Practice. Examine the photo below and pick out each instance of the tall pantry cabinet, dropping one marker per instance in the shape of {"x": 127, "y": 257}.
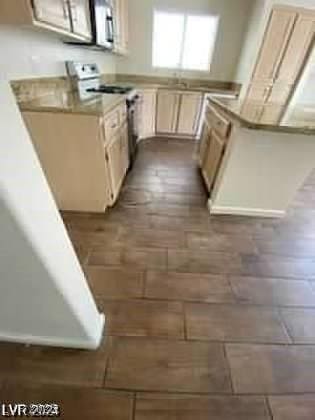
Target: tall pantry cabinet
{"x": 285, "y": 48}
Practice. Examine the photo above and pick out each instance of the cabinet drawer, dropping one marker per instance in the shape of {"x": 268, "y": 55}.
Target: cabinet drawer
{"x": 111, "y": 123}
{"x": 217, "y": 122}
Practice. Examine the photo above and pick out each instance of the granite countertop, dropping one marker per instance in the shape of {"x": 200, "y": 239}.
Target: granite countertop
{"x": 272, "y": 117}
{"x": 70, "y": 103}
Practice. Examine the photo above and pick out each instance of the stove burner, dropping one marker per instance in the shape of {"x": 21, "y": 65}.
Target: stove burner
{"x": 111, "y": 89}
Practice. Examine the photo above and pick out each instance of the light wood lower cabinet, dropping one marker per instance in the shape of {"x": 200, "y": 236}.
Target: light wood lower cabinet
{"x": 212, "y": 161}
{"x": 117, "y": 157}
{"x": 216, "y": 129}
{"x": 84, "y": 167}
{"x": 189, "y": 110}
{"x": 178, "y": 112}
{"x": 147, "y": 112}
{"x": 167, "y": 112}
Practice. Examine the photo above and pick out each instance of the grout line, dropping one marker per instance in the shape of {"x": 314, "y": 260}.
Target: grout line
{"x": 229, "y": 368}
{"x": 269, "y": 408}
{"x": 134, "y": 406}
{"x": 185, "y": 322}
{"x": 286, "y": 328}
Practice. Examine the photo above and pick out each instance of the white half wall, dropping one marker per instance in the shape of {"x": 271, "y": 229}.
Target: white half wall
{"x": 233, "y": 14}
{"x": 44, "y": 296}
{"x": 29, "y": 53}
{"x": 263, "y": 172}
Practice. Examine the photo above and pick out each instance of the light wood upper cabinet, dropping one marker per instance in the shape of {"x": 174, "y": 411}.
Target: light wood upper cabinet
{"x": 285, "y": 49}
{"x": 274, "y": 45}
{"x": 80, "y": 18}
{"x": 167, "y": 112}
{"x": 53, "y": 12}
{"x": 121, "y": 26}
{"x": 70, "y": 18}
{"x": 211, "y": 164}
{"x": 147, "y": 111}
{"x": 298, "y": 48}
{"x": 189, "y": 112}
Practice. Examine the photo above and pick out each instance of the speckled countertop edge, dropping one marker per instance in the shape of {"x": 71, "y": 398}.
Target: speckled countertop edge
{"x": 257, "y": 126}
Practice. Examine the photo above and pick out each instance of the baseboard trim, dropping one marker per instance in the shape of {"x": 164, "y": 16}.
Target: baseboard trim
{"x": 93, "y": 344}
{"x": 242, "y": 211}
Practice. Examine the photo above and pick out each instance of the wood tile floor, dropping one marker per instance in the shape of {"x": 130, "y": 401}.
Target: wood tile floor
{"x": 207, "y": 318}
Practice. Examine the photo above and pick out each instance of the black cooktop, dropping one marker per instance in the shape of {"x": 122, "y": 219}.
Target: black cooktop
{"x": 111, "y": 89}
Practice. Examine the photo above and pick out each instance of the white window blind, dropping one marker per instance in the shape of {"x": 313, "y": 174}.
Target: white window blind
{"x": 183, "y": 41}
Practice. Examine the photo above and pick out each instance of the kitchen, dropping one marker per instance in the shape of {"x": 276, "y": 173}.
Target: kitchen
{"x": 181, "y": 171}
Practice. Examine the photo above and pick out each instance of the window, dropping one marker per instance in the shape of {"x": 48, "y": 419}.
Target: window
{"x": 183, "y": 41}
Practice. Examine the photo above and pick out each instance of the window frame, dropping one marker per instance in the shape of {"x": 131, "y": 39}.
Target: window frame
{"x": 180, "y": 67}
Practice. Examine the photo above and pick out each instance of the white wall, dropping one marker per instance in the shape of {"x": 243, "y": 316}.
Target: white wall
{"x": 28, "y": 53}
{"x": 44, "y": 297}
{"x": 233, "y": 23}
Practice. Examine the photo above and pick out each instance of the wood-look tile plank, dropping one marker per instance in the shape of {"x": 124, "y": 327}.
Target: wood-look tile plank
{"x": 234, "y": 323}
{"x": 271, "y": 369}
{"x": 200, "y": 261}
{"x": 130, "y": 258}
{"x": 218, "y": 242}
{"x": 74, "y": 403}
{"x": 300, "y": 324}
{"x": 188, "y": 287}
{"x": 144, "y": 319}
{"x": 50, "y": 365}
{"x": 115, "y": 283}
{"x": 300, "y": 247}
{"x": 293, "y": 407}
{"x": 273, "y": 291}
{"x": 188, "y": 407}
{"x": 277, "y": 266}
{"x": 167, "y": 365}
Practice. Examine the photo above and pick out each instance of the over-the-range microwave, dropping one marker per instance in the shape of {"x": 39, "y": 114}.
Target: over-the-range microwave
{"x": 102, "y": 23}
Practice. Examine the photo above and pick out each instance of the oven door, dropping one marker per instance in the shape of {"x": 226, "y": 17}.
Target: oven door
{"x": 104, "y": 24}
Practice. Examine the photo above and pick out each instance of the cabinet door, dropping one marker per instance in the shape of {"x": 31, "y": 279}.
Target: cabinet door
{"x": 204, "y": 143}
{"x": 258, "y": 91}
{"x": 121, "y": 26}
{"x": 294, "y": 59}
{"x": 115, "y": 166}
{"x": 53, "y": 12}
{"x": 251, "y": 111}
{"x": 147, "y": 110}
{"x": 80, "y": 18}
{"x": 167, "y": 112}
{"x": 189, "y": 112}
{"x": 275, "y": 41}
{"x": 211, "y": 164}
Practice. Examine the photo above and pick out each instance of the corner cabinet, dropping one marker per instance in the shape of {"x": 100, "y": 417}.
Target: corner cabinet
{"x": 178, "y": 112}
{"x": 70, "y": 18}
